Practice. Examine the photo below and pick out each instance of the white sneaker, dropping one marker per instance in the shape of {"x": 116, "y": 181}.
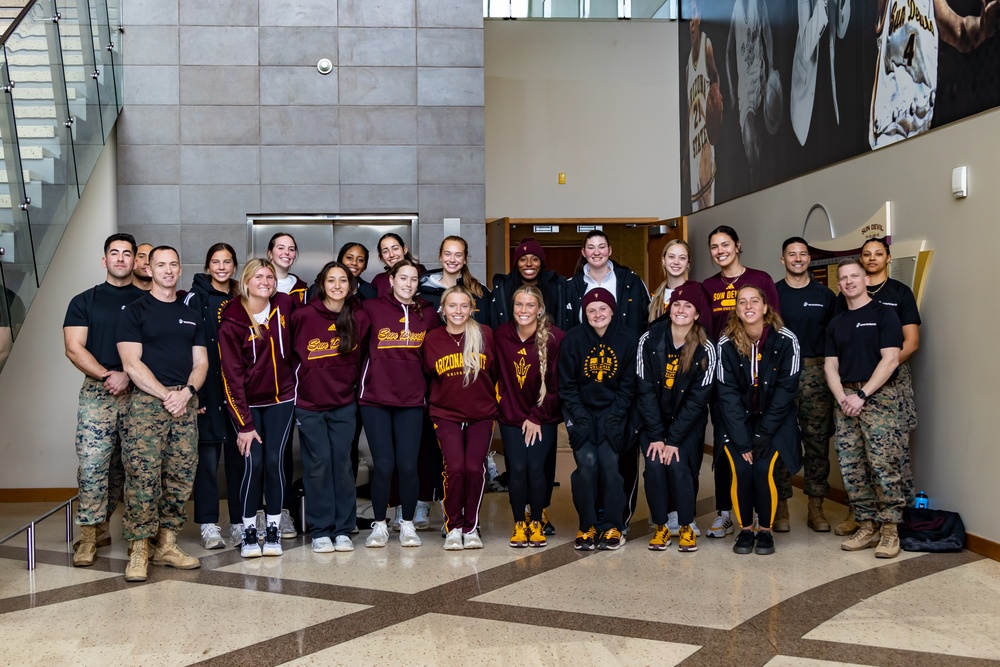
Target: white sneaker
{"x": 236, "y": 534}
{"x": 343, "y": 543}
{"x": 211, "y": 537}
{"x": 397, "y": 518}
{"x": 722, "y": 525}
{"x": 379, "y": 536}
{"x": 322, "y": 545}
{"x": 287, "y": 526}
{"x": 408, "y": 534}
{"x": 422, "y": 517}
{"x": 272, "y": 541}
{"x": 249, "y": 547}
{"x": 694, "y": 527}
{"x": 471, "y": 540}
{"x": 453, "y": 542}
{"x": 675, "y": 528}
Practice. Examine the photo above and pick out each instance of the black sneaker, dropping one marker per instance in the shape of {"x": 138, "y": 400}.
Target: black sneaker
{"x": 611, "y": 539}
{"x": 744, "y": 542}
{"x": 272, "y": 541}
{"x": 765, "y": 543}
{"x": 585, "y": 539}
{"x": 547, "y": 527}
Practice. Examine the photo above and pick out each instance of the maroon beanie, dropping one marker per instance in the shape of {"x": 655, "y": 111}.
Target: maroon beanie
{"x": 598, "y": 294}
{"x": 679, "y": 294}
{"x": 529, "y": 246}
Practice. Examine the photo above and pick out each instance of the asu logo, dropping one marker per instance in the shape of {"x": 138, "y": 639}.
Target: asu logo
{"x": 601, "y": 362}
{"x": 521, "y": 371}
{"x": 670, "y": 372}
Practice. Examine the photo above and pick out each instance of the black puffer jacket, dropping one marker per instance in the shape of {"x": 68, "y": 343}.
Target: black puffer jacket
{"x": 214, "y": 425}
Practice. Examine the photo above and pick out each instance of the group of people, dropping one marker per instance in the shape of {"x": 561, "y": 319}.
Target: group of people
{"x": 426, "y": 361}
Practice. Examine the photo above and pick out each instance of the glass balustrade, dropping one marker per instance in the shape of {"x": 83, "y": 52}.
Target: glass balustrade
{"x": 581, "y": 9}
{"x": 60, "y": 75}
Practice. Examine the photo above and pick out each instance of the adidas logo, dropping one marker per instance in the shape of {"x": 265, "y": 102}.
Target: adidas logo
{"x": 402, "y": 320}
{"x": 522, "y": 351}
{"x": 333, "y": 327}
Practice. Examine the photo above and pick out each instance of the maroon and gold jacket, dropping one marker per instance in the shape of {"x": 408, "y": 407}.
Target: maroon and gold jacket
{"x": 444, "y": 362}
{"x": 519, "y": 380}
{"x": 257, "y": 371}
{"x": 327, "y": 377}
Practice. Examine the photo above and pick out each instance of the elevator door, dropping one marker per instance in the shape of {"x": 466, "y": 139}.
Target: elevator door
{"x": 319, "y": 238}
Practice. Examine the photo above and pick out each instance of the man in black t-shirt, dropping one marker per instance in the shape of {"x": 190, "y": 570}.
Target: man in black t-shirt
{"x": 162, "y": 346}
{"x": 90, "y": 335}
{"x": 806, "y": 308}
{"x": 862, "y": 355}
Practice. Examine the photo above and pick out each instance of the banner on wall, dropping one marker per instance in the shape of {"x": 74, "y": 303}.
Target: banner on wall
{"x": 773, "y": 89}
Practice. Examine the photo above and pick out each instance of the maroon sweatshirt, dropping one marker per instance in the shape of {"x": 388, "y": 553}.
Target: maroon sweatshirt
{"x": 443, "y": 362}
{"x": 327, "y": 377}
{"x": 519, "y": 379}
{"x": 393, "y": 375}
{"x": 257, "y": 370}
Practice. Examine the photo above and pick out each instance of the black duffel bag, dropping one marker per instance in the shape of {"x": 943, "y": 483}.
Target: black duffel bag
{"x": 931, "y": 530}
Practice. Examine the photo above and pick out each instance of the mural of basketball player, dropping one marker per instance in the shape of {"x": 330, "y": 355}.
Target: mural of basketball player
{"x": 758, "y": 93}
{"x": 817, "y": 19}
{"x": 704, "y": 113}
{"x": 906, "y": 76}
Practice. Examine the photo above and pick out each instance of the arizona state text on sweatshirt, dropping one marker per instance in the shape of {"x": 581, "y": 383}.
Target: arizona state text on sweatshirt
{"x": 444, "y": 363}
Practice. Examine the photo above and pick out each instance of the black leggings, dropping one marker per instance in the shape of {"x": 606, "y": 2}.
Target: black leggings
{"x": 394, "y": 439}
{"x": 266, "y": 459}
{"x": 527, "y": 469}
{"x": 674, "y": 487}
{"x": 721, "y": 469}
{"x": 753, "y": 488}
{"x": 206, "y": 481}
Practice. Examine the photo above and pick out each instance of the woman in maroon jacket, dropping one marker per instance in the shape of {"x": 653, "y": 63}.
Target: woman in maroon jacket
{"x": 527, "y": 349}
{"x": 459, "y": 360}
{"x": 255, "y": 351}
{"x": 328, "y": 337}
{"x": 392, "y": 250}
{"x": 392, "y": 396}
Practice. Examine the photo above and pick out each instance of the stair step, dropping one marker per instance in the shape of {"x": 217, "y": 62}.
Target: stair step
{"x": 3, "y": 176}
{"x": 28, "y": 76}
{"x": 28, "y": 153}
{"x": 44, "y": 93}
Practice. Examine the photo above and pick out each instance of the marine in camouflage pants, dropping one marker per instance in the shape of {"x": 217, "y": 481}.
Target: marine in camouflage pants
{"x": 160, "y": 453}
{"x": 815, "y": 408}
{"x": 100, "y": 475}
{"x": 908, "y": 413}
{"x": 870, "y": 450}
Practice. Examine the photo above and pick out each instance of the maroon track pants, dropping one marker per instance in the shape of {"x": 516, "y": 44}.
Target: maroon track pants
{"x": 464, "y": 447}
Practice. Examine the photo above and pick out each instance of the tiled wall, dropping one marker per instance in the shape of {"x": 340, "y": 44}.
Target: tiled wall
{"x": 225, "y": 114}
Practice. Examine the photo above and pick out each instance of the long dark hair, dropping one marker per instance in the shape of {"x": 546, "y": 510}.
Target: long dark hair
{"x": 408, "y": 256}
{"x": 216, "y": 247}
{"x": 393, "y": 270}
{"x": 347, "y": 328}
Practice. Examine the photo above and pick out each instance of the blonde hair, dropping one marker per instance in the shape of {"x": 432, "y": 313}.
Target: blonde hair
{"x": 656, "y": 303}
{"x": 543, "y": 333}
{"x": 473, "y": 336}
{"x": 736, "y": 331}
{"x": 249, "y": 270}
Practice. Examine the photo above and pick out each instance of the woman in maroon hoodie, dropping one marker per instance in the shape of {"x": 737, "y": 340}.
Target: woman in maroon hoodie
{"x": 459, "y": 360}
{"x": 527, "y": 349}
{"x": 392, "y": 396}
{"x": 391, "y": 250}
{"x": 328, "y": 339}
{"x": 255, "y": 352}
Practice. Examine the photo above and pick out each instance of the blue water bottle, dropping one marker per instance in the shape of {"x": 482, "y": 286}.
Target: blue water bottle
{"x": 920, "y": 502}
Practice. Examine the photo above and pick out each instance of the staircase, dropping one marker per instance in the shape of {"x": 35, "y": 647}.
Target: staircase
{"x": 60, "y": 74}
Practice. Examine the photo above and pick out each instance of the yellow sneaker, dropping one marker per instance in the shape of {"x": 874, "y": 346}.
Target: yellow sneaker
{"x": 536, "y": 536}
{"x": 661, "y": 539}
{"x": 687, "y": 540}
{"x": 585, "y": 539}
{"x": 520, "y": 537}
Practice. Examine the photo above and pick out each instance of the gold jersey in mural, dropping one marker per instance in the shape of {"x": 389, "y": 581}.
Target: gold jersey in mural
{"x": 702, "y": 153}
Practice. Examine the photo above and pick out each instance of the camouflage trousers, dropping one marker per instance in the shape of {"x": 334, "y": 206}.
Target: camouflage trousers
{"x": 908, "y": 413}
{"x": 160, "y": 453}
{"x": 815, "y": 408}
{"x": 870, "y": 450}
{"x": 100, "y": 475}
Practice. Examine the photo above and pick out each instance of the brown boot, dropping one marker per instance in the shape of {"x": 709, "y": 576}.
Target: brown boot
{"x": 817, "y": 520}
{"x": 781, "y": 523}
{"x": 848, "y": 526}
{"x": 86, "y": 548}
{"x": 888, "y": 546}
{"x": 866, "y": 537}
{"x": 103, "y": 536}
{"x": 138, "y": 561}
{"x": 169, "y": 554}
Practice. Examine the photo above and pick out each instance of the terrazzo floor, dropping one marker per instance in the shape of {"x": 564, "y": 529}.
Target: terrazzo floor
{"x": 809, "y": 605}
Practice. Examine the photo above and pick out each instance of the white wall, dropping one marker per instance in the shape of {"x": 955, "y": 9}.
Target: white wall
{"x": 596, "y": 100}
{"x": 38, "y": 384}
{"x": 956, "y": 457}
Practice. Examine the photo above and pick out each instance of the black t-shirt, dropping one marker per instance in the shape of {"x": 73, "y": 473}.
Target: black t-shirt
{"x": 857, "y": 338}
{"x": 99, "y": 309}
{"x": 807, "y": 311}
{"x": 167, "y": 331}
{"x": 894, "y": 294}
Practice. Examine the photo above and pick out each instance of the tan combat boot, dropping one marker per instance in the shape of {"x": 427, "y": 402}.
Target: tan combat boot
{"x": 138, "y": 561}
{"x": 169, "y": 554}
{"x": 781, "y": 523}
{"x": 888, "y": 546}
{"x": 103, "y": 536}
{"x": 848, "y": 526}
{"x": 86, "y": 548}
{"x": 817, "y": 520}
{"x": 866, "y": 537}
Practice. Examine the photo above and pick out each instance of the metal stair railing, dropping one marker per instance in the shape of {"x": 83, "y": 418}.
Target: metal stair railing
{"x": 29, "y": 529}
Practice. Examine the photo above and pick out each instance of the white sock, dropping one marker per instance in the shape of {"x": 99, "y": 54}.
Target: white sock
{"x": 250, "y": 523}
{"x": 273, "y": 518}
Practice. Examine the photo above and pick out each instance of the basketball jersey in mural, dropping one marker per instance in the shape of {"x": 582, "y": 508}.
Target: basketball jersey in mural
{"x": 749, "y": 56}
{"x": 906, "y": 76}
{"x": 702, "y": 155}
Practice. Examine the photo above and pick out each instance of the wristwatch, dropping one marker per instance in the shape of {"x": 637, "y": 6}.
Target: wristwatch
{"x": 191, "y": 389}
{"x": 862, "y": 395}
